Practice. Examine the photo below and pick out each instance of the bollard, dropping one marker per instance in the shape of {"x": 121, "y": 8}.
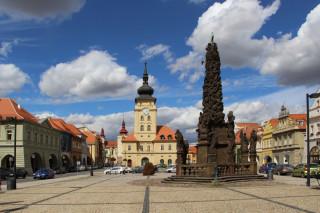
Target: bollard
{"x": 11, "y": 183}
{"x": 270, "y": 175}
{"x": 215, "y": 172}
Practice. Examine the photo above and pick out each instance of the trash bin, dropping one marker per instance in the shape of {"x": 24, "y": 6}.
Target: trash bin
{"x": 270, "y": 175}
{"x": 11, "y": 182}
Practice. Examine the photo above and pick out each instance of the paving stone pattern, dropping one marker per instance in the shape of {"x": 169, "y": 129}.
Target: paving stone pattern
{"x": 137, "y": 193}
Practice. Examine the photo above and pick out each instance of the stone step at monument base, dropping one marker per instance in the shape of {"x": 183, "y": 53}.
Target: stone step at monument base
{"x": 197, "y": 180}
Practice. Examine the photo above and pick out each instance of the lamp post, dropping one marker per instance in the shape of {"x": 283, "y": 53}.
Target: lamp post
{"x": 14, "y": 185}
{"x": 313, "y": 95}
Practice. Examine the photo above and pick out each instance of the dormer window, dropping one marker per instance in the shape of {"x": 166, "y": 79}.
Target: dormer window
{"x": 169, "y": 137}
{"x": 162, "y": 137}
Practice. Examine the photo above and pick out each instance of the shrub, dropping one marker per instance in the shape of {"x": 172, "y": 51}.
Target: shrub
{"x": 148, "y": 169}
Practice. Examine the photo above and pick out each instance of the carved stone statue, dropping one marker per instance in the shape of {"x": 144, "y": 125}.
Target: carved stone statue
{"x": 253, "y": 141}
{"x": 244, "y": 142}
{"x": 182, "y": 148}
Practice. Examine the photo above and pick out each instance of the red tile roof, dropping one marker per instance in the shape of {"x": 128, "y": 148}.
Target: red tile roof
{"x": 111, "y": 143}
{"x": 130, "y": 137}
{"x": 247, "y": 128}
{"x": 9, "y": 108}
{"x": 165, "y": 131}
{"x": 299, "y": 117}
{"x": 273, "y": 122}
{"x": 91, "y": 138}
{"x": 192, "y": 150}
{"x": 59, "y": 124}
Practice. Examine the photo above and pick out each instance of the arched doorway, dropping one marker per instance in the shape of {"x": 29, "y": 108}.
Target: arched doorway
{"x": 7, "y": 162}
{"x": 144, "y": 161}
{"x": 161, "y": 162}
{"x": 169, "y": 162}
{"x": 267, "y": 159}
{"x": 286, "y": 159}
{"x": 36, "y": 161}
{"x": 276, "y": 159}
{"x": 315, "y": 153}
{"x": 65, "y": 162}
{"x": 129, "y": 163}
{"x": 53, "y": 161}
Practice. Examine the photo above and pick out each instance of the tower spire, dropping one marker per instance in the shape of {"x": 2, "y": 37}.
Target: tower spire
{"x": 145, "y": 91}
{"x": 123, "y": 131}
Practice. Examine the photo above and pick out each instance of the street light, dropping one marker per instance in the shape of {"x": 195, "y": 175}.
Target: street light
{"x": 313, "y": 95}
{"x": 13, "y": 183}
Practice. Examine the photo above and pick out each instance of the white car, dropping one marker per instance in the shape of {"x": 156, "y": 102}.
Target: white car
{"x": 115, "y": 170}
{"x": 171, "y": 169}
{"x": 128, "y": 169}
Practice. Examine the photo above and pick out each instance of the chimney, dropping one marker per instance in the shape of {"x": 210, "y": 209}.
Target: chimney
{"x": 49, "y": 118}
{"x": 19, "y": 106}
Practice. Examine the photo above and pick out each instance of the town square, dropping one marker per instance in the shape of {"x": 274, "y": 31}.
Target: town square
{"x": 95, "y": 119}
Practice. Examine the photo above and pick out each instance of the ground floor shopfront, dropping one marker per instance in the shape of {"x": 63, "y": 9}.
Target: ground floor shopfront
{"x": 30, "y": 158}
{"x": 133, "y": 160}
{"x": 288, "y": 156}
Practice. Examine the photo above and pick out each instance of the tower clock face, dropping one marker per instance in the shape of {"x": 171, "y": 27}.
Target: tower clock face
{"x": 145, "y": 111}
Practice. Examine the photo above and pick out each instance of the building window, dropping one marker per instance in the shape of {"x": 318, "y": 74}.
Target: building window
{"x": 169, "y": 137}
{"x": 162, "y": 147}
{"x": 129, "y": 147}
{"x": 56, "y": 142}
{"x": 35, "y": 137}
{"x": 142, "y": 118}
{"x": 149, "y": 128}
{"x": 46, "y": 139}
{"x": 51, "y": 140}
{"x": 162, "y": 137}
{"x": 41, "y": 138}
{"x": 141, "y": 128}
{"x": 9, "y": 135}
{"x": 169, "y": 147}
{"x": 28, "y": 136}
{"x": 148, "y": 148}
{"x": 141, "y": 147}
{"x": 149, "y": 118}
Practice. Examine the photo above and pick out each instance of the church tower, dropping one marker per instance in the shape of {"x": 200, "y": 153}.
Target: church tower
{"x": 122, "y": 135}
{"x": 145, "y": 112}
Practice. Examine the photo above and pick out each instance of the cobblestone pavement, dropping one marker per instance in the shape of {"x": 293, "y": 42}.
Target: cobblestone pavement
{"x": 137, "y": 193}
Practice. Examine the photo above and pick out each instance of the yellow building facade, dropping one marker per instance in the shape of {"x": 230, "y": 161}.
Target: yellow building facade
{"x": 267, "y": 141}
{"x": 148, "y": 142}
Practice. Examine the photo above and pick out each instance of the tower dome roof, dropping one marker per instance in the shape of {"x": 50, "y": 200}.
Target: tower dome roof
{"x": 145, "y": 91}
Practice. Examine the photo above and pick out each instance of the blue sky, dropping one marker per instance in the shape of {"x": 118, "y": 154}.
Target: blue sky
{"x": 83, "y": 60}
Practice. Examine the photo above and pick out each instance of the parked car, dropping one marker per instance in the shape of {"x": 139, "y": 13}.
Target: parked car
{"x": 81, "y": 168}
{"x": 21, "y": 172}
{"x": 128, "y": 169}
{"x": 72, "y": 169}
{"x": 4, "y": 174}
{"x": 115, "y": 170}
{"x": 266, "y": 167}
{"x": 282, "y": 169}
{"x": 137, "y": 169}
{"x": 316, "y": 161}
{"x": 43, "y": 174}
{"x": 301, "y": 170}
{"x": 59, "y": 170}
{"x": 171, "y": 169}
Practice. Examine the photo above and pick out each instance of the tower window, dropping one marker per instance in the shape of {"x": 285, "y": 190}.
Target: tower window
{"x": 142, "y": 118}
{"x": 141, "y": 128}
{"x": 149, "y": 128}
{"x": 149, "y": 118}
{"x": 9, "y": 135}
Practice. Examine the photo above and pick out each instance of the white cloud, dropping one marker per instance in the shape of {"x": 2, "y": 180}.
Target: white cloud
{"x": 12, "y": 79}
{"x": 6, "y": 47}
{"x": 45, "y": 114}
{"x": 40, "y": 9}
{"x": 294, "y": 61}
{"x": 238, "y": 83}
{"x": 159, "y": 49}
{"x": 95, "y": 74}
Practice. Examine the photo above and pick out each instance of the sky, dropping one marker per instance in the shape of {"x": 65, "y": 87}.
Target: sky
{"x": 83, "y": 60}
